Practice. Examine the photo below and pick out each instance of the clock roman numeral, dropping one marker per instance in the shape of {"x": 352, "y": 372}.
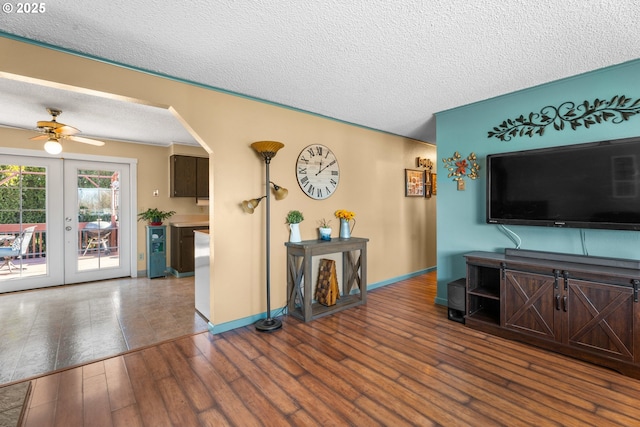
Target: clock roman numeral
{"x": 334, "y": 173}
{"x": 310, "y": 189}
{"x": 333, "y": 182}
{"x": 302, "y": 171}
{"x": 311, "y": 152}
{"x": 319, "y": 192}
{"x": 304, "y": 181}
{"x": 328, "y": 190}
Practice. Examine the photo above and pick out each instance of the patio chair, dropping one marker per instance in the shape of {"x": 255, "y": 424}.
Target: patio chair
{"x": 19, "y": 247}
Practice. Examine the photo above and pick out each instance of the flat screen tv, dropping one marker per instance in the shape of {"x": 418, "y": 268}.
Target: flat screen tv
{"x": 594, "y": 185}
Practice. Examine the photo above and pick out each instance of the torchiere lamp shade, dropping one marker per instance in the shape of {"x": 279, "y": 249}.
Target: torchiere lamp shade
{"x": 267, "y": 149}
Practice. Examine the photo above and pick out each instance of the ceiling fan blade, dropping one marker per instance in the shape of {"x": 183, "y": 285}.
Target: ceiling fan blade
{"x": 66, "y": 130}
{"x": 86, "y": 140}
{"x": 49, "y": 124}
{"x": 39, "y": 137}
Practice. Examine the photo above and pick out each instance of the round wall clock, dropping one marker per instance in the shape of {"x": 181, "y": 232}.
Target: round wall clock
{"x": 317, "y": 171}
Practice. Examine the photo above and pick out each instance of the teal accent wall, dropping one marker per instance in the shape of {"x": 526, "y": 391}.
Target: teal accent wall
{"x": 462, "y": 226}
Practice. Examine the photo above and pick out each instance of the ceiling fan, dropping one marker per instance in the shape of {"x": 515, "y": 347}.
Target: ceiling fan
{"x": 53, "y": 131}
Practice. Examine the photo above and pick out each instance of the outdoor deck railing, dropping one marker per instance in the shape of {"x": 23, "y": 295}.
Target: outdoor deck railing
{"x": 38, "y": 244}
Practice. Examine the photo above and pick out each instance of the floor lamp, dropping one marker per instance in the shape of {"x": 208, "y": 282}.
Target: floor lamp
{"x": 268, "y": 150}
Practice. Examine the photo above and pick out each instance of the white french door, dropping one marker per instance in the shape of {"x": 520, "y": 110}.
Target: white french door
{"x": 81, "y": 216}
{"x": 96, "y": 221}
{"x": 26, "y": 201}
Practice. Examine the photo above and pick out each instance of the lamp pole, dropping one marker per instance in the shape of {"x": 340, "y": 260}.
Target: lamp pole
{"x": 268, "y": 324}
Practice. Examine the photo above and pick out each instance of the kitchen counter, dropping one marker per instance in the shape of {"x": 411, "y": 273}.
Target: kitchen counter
{"x": 190, "y": 224}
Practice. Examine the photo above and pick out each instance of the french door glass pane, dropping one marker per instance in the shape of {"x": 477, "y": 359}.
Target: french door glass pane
{"x": 23, "y": 221}
{"x": 98, "y": 219}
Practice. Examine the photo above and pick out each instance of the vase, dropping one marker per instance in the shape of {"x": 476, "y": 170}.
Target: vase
{"x": 346, "y": 228}
{"x": 325, "y": 233}
{"x": 294, "y": 237}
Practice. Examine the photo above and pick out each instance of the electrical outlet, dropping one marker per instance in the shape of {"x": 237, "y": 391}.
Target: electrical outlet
{"x": 141, "y": 256}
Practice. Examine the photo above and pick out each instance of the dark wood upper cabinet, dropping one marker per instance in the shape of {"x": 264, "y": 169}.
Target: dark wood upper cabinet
{"x": 189, "y": 176}
{"x": 202, "y": 177}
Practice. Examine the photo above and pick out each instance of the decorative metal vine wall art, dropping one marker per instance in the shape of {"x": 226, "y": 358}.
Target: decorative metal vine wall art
{"x": 618, "y": 109}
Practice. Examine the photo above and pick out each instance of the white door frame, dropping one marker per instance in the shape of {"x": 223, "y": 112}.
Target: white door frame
{"x": 133, "y": 202}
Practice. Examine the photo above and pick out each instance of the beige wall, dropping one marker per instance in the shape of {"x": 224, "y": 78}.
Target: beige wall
{"x": 401, "y": 230}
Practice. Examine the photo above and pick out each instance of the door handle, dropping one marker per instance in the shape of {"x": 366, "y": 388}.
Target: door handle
{"x": 558, "y": 302}
{"x": 564, "y": 303}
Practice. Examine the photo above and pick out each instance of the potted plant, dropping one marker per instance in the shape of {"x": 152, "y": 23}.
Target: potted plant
{"x": 154, "y": 216}
{"x": 294, "y": 218}
{"x": 325, "y": 229}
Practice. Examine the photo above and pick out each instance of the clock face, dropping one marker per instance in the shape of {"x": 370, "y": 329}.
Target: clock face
{"x": 317, "y": 171}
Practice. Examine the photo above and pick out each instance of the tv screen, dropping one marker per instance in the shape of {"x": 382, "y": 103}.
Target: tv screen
{"x": 595, "y": 185}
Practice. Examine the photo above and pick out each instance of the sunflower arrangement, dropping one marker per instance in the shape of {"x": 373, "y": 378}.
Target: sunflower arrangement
{"x": 345, "y": 214}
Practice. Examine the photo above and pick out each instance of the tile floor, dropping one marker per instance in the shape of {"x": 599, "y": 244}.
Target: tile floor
{"x": 53, "y": 328}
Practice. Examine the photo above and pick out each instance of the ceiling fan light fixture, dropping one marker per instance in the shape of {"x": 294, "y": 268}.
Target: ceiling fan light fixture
{"x": 54, "y": 130}
{"x": 52, "y": 146}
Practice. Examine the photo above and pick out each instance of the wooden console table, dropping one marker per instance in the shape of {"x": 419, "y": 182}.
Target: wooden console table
{"x": 354, "y": 272}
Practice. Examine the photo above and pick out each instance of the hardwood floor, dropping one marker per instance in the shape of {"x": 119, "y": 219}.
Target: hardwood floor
{"x": 397, "y": 361}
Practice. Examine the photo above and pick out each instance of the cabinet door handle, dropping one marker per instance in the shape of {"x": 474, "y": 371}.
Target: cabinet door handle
{"x": 564, "y": 303}
{"x": 558, "y": 302}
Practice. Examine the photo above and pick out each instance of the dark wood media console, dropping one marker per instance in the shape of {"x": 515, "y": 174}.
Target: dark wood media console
{"x": 581, "y": 306}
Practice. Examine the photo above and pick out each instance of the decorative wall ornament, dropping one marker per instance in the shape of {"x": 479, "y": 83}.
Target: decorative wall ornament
{"x": 459, "y": 168}
{"x": 422, "y": 162}
{"x": 617, "y": 110}
{"x": 429, "y": 189}
{"x": 434, "y": 184}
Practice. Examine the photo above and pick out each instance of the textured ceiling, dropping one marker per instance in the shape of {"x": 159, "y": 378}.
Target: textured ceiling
{"x": 386, "y": 65}
{"x": 23, "y": 103}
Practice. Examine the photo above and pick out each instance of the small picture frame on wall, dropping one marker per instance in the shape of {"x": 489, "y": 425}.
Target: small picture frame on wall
{"x": 427, "y": 184}
{"x": 413, "y": 183}
{"x": 434, "y": 184}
